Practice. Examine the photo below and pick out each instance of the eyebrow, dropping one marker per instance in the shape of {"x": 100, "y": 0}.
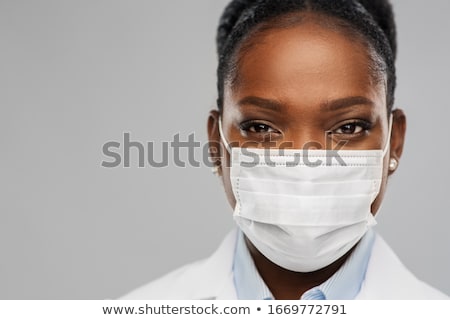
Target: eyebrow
{"x": 332, "y": 105}
{"x": 346, "y": 102}
{"x": 261, "y": 102}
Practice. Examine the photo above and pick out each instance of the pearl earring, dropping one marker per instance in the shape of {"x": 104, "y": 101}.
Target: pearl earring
{"x": 215, "y": 170}
{"x": 393, "y": 163}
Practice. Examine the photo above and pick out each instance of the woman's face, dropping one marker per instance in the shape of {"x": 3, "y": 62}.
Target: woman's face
{"x": 305, "y": 86}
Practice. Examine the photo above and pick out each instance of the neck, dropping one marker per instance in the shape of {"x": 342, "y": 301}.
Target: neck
{"x": 290, "y": 285}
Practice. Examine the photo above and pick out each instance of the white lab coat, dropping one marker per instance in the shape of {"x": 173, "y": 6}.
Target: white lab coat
{"x": 212, "y": 278}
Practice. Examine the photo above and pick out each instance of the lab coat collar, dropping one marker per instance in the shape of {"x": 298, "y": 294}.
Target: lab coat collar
{"x": 217, "y": 272}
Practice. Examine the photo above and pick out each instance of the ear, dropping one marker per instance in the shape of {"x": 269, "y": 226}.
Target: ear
{"x": 397, "y": 136}
{"x": 214, "y": 140}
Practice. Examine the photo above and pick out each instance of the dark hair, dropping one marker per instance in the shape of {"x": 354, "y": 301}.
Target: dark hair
{"x": 371, "y": 20}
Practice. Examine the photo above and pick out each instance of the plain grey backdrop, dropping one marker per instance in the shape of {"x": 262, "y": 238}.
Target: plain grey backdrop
{"x": 77, "y": 74}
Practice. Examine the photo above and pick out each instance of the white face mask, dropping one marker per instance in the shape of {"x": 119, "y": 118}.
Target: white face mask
{"x": 304, "y": 209}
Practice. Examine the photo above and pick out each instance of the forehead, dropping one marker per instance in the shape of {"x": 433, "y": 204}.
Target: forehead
{"x": 306, "y": 62}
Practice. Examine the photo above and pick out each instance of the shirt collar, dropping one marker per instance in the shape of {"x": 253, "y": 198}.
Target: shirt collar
{"x": 343, "y": 285}
{"x": 247, "y": 281}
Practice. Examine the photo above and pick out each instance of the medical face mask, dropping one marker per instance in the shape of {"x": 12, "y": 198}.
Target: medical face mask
{"x": 304, "y": 209}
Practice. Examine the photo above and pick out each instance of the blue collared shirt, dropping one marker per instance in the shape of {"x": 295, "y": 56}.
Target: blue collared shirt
{"x": 343, "y": 285}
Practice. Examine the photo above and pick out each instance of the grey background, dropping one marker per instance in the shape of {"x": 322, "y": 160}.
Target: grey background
{"x": 76, "y": 74}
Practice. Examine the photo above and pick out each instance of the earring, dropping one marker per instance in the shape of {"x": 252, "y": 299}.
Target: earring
{"x": 393, "y": 163}
{"x": 215, "y": 170}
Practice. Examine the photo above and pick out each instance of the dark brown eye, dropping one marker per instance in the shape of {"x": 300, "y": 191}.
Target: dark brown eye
{"x": 350, "y": 128}
{"x": 260, "y": 128}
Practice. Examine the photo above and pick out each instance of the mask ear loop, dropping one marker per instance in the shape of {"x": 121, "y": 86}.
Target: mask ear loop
{"x": 388, "y": 143}
{"x": 375, "y": 218}
{"x": 222, "y": 136}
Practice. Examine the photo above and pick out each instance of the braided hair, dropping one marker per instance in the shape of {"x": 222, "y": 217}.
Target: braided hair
{"x": 370, "y": 20}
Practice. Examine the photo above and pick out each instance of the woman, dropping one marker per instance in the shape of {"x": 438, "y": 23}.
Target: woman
{"x": 309, "y": 138}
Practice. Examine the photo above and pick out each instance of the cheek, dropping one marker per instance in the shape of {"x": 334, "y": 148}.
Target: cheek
{"x": 379, "y": 199}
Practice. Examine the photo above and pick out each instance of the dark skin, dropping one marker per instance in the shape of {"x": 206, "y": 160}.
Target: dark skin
{"x": 294, "y": 85}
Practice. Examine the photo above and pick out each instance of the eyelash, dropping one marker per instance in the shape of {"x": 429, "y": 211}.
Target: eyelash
{"x": 246, "y": 126}
{"x": 364, "y": 125}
